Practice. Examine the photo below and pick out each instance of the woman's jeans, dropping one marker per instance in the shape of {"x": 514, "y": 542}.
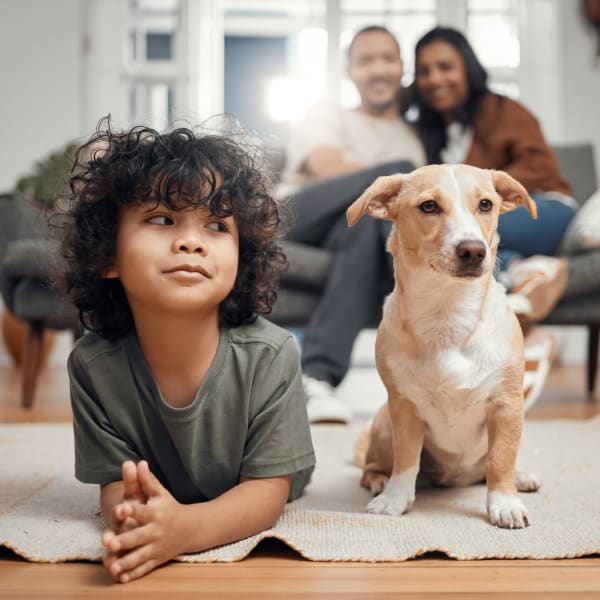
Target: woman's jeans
{"x": 521, "y": 236}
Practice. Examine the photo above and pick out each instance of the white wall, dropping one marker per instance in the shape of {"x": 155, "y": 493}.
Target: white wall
{"x": 61, "y": 68}
{"x": 40, "y": 85}
{"x": 541, "y": 66}
{"x": 559, "y": 75}
{"x": 106, "y": 84}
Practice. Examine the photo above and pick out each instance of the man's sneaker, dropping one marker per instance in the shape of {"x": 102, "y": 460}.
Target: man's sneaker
{"x": 322, "y": 404}
{"x": 540, "y": 279}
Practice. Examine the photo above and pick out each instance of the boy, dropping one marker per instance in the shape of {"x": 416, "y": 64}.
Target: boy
{"x": 188, "y": 408}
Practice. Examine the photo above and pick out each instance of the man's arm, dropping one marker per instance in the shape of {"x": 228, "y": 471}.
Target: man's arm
{"x": 328, "y": 161}
{"x": 167, "y": 528}
{"x": 316, "y": 146}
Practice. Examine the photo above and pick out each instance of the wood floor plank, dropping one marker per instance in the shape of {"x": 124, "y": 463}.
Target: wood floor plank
{"x": 281, "y": 577}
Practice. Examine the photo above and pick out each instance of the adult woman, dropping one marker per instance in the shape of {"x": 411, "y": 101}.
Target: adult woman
{"x": 461, "y": 120}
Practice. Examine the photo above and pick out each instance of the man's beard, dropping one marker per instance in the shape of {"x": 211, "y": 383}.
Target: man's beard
{"x": 381, "y": 107}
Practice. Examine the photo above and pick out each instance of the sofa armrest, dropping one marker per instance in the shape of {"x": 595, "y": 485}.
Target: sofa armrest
{"x": 30, "y": 257}
{"x": 584, "y": 273}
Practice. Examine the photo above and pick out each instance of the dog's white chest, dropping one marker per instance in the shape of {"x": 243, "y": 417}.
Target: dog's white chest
{"x": 453, "y": 404}
{"x": 453, "y": 367}
{"x": 458, "y": 371}
{"x": 450, "y": 388}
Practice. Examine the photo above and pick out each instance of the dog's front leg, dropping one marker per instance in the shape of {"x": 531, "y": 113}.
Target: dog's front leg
{"x": 407, "y": 442}
{"x": 505, "y": 425}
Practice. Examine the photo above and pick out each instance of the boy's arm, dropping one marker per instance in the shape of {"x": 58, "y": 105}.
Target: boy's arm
{"x": 248, "y": 508}
{"x": 111, "y": 495}
{"x": 167, "y": 528}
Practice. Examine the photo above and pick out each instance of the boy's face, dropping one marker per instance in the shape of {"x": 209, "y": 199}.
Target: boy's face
{"x": 175, "y": 262}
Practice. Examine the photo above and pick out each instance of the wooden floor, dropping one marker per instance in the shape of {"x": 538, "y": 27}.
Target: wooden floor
{"x": 273, "y": 571}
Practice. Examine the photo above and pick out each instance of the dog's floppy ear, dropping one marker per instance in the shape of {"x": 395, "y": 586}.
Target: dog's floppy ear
{"x": 513, "y": 194}
{"x": 375, "y": 199}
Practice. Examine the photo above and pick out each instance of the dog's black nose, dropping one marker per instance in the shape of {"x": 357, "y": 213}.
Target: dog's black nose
{"x": 471, "y": 252}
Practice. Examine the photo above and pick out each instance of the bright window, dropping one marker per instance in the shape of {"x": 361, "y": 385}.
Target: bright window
{"x": 493, "y": 30}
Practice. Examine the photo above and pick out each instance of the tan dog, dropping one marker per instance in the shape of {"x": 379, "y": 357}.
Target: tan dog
{"x": 449, "y": 349}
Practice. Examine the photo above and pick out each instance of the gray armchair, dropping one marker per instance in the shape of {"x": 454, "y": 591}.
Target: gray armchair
{"x": 308, "y": 270}
{"x": 26, "y": 256}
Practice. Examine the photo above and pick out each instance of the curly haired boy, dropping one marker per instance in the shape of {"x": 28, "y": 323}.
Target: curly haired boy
{"x": 188, "y": 406}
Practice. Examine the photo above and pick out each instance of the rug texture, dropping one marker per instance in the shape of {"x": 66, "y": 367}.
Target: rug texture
{"x": 47, "y": 516}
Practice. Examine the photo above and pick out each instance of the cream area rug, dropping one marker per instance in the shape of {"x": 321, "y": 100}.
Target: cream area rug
{"x": 47, "y": 516}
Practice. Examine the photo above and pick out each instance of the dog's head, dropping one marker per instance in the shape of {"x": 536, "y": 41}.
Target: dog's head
{"x": 445, "y": 216}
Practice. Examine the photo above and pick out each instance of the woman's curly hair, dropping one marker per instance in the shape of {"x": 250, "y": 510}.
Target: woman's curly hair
{"x": 179, "y": 169}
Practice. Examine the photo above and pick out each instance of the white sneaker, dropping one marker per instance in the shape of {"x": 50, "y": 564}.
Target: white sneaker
{"x": 322, "y": 405}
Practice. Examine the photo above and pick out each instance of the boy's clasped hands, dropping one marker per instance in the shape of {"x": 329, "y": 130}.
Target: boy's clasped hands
{"x": 147, "y": 528}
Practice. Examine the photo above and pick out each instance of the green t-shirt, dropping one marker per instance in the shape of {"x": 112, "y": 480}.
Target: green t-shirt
{"x": 248, "y": 417}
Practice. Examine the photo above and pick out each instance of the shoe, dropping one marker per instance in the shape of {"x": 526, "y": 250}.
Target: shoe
{"x": 321, "y": 403}
{"x": 540, "y": 279}
{"x": 540, "y": 353}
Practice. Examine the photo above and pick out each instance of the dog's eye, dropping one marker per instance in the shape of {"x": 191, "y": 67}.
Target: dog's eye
{"x": 485, "y": 205}
{"x": 429, "y": 207}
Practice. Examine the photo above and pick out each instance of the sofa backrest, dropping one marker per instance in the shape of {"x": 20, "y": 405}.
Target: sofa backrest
{"x": 578, "y": 166}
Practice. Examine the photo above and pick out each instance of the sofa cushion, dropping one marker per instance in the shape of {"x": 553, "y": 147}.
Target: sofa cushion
{"x": 577, "y": 165}
{"x": 583, "y": 232}
{"x": 308, "y": 267}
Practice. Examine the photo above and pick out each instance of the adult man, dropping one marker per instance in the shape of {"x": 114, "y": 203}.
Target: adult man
{"x": 333, "y": 156}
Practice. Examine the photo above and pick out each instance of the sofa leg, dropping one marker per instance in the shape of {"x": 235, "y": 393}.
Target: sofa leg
{"x": 592, "y": 367}
{"x": 31, "y": 362}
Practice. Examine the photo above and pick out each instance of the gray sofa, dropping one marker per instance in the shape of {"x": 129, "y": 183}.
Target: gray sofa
{"x": 308, "y": 270}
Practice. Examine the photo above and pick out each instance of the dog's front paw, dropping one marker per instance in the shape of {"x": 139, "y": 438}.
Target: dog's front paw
{"x": 391, "y": 504}
{"x": 506, "y": 511}
{"x": 398, "y": 495}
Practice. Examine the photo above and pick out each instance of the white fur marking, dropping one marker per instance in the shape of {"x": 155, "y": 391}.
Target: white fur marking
{"x": 463, "y": 225}
{"x": 506, "y": 511}
{"x": 398, "y": 496}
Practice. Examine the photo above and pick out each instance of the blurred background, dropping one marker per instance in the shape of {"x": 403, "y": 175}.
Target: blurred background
{"x": 67, "y": 63}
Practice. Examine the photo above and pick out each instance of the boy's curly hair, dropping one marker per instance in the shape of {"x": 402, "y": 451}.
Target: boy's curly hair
{"x": 179, "y": 169}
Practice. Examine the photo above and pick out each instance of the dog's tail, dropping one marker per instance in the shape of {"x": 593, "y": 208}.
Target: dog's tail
{"x": 362, "y": 445}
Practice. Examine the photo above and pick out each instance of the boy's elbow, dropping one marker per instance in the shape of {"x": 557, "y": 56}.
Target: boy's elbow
{"x": 278, "y": 493}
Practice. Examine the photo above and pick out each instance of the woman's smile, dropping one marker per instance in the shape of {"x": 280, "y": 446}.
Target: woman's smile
{"x": 441, "y": 77}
